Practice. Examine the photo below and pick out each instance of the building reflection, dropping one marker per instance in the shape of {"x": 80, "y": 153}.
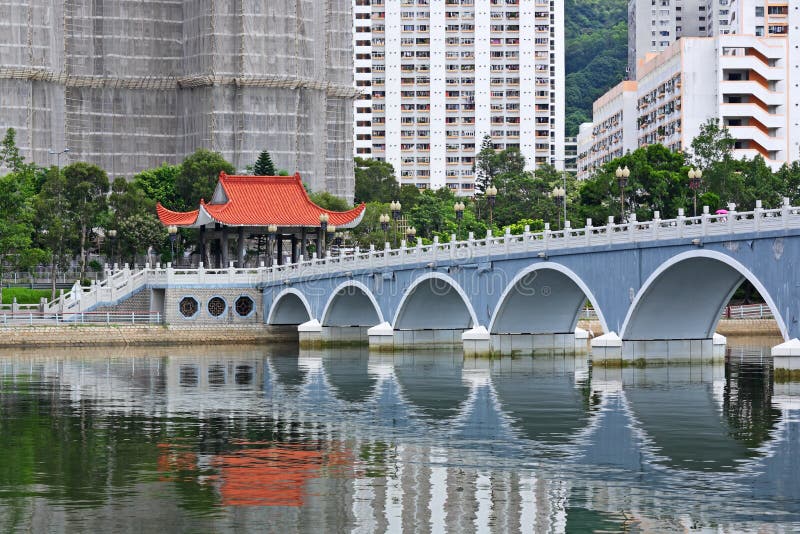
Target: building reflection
{"x": 376, "y": 442}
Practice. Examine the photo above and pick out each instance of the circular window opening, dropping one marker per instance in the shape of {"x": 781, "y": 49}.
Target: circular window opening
{"x": 244, "y": 306}
{"x": 188, "y": 307}
{"x": 216, "y": 306}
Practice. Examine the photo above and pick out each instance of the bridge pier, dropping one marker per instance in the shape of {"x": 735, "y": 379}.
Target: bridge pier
{"x": 611, "y": 350}
{"x": 384, "y": 338}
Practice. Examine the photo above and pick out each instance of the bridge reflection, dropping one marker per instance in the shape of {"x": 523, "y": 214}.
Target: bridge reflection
{"x": 411, "y": 434}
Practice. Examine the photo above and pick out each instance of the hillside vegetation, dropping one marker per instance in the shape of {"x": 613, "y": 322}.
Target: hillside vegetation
{"x": 596, "y": 54}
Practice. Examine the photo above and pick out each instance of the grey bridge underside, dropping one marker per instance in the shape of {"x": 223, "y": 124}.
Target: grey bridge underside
{"x": 643, "y": 291}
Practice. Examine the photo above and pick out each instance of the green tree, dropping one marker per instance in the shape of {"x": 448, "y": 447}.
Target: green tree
{"x": 199, "y": 174}
{"x": 712, "y": 152}
{"x": 87, "y": 186}
{"x": 375, "y": 181}
{"x": 485, "y": 166}
{"x": 264, "y": 165}
{"x": 159, "y": 185}
{"x": 139, "y": 232}
{"x": 323, "y": 199}
{"x": 9, "y": 153}
{"x": 53, "y": 223}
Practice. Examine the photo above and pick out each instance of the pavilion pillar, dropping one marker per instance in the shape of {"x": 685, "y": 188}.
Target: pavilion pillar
{"x": 240, "y": 242}
{"x": 224, "y": 247}
{"x": 203, "y": 244}
{"x": 294, "y": 248}
{"x": 303, "y": 243}
{"x": 280, "y": 249}
{"x": 320, "y": 244}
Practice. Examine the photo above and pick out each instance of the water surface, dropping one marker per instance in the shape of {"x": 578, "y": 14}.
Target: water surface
{"x": 278, "y": 439}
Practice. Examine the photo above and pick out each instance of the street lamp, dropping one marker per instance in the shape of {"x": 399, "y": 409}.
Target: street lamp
{"x": 173, "y": 234}
{"x": 384, "y": 220}
{"x": 395, "y": 207}
{"x": 694, "y": 183}
{"x": 491, "y": 195}
{"x": 272, "y": 230}
{"x": 411, "y": 233}
{"x": 112, "y": 234}
{"x": 622, "y": 180}
{"x": 58, "y": 156}
{"x": 559, "y": 194}
{"x": 459, "y": 208}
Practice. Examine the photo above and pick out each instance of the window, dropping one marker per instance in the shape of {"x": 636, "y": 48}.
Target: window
{"x": 216, "y": 306}
{"x": 188, "y": 307}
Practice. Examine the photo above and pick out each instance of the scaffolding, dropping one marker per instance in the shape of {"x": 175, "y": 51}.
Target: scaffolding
{"x": 129, "y": 84}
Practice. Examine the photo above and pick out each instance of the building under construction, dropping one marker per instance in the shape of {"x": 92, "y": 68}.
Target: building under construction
{"x": 130, "y": 84}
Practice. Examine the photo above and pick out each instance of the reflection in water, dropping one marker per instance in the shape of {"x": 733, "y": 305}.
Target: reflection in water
{"x": 350, "y": 441}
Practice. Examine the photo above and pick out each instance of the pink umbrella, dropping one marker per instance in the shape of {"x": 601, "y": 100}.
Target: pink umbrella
{"x": 721, "y": 212}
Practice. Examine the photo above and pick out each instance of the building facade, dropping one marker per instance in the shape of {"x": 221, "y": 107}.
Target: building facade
{"x": 437, "y": 77}
{"x": 746, "y": 82}
{"x": 129, "y": 85}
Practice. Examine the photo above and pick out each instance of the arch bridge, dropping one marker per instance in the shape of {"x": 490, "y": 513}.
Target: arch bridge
{"x": 658, "y": 287}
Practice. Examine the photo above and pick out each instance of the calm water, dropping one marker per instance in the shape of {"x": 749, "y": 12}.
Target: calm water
{"x": 344, "y": 441}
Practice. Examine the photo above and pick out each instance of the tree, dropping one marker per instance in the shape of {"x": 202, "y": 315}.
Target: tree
{"x": 199, "y": 174}
{"x": 159, "y": 185}
{"x": 9, "y": 153}
{"x": 139, "y": 232}
{"x": 375, "y": 181}
{"x": 712, "y": 152}
{"x": 53, "y": 222}
{"x": 485, "y": 166}
{"x": 325, "y": 200}
{"x": 87, "y": 186}
{"x": 264, "y": 165}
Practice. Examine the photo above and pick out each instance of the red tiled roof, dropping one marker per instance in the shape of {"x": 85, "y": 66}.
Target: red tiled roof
{"x": 261, "y": 201}
{"x": 177, "y": 218}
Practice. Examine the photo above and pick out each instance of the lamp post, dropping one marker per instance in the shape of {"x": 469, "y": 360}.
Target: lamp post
{"x": 694, "y": 183}
{"x": 395, "y": 207}
{"x": 323, "y": 230}
{"x": 459, "y": 208}
{"x": 411, "y": 234}
{"x": 491, "y": 196}
{"x": 272, "y": 230}
{"x": 112, "y": 234}
{"x": 384, "y": 219}
{"x": 622, "y": 180}
{"x": 58, "y": 156}
{"x": 332, "y": 234}
{"x": 559, "y": 195}
{"x": 173, "y": 234}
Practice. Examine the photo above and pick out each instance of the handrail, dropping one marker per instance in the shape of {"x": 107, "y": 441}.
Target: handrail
{"x": 125, "y": 281}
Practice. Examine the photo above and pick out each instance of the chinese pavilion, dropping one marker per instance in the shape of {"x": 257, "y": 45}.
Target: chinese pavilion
{"x": 276, "y": 207}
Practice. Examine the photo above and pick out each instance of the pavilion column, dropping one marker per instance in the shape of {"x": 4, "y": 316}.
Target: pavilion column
{"x": 224, "y": 247}
{"x": 320, "y": 244}
{"x": 280, "y": 249}
{"x": 303, "y": 243}
{"x": 203, "y": 244}
{"x": 240, "y": 242}
{"x": 294, "y": 248}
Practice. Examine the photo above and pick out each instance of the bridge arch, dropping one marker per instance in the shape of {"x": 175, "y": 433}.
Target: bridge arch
{"x": 435, "y": 302}
{"x": 545, "y": 298}
{"x": 352, "y": 304}
{"x": 685, "y": 296}
{"x": 290, "y": 307}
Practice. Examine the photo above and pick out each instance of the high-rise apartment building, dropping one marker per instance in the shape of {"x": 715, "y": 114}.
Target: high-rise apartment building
{"x": 439, "y": 76}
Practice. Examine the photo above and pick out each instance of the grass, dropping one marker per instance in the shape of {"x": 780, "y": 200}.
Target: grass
{"x": 24, "y": 295}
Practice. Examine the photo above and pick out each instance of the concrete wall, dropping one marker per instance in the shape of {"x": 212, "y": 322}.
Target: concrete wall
{"x": 129, "y": 85}
{"x": 174, "y": 296}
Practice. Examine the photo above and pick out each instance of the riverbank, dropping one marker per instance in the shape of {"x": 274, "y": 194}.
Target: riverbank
{"x": 726, "y": 327}
{"x": 240, "y": 334}
{"x": 141, "y": 335}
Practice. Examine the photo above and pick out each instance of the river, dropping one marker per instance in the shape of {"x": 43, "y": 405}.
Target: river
{"x": 278, "y": 439}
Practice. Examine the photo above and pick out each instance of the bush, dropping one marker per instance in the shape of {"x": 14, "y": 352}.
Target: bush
{"x": 95, "y": 266}
{"x": 24, "y": 295}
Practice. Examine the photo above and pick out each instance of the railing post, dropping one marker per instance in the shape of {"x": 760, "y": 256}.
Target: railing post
{"x": 588, "y": 232}
{"x": 704, "y": 220}
{"x": 632, "y": 224}
{"x": 435, "y": 246}
{"x": 681, "y": 221}
{"x": 785, "y": 212}
{"x": 546, "y": 236}
{"x": 656, "y": 223}
{"x": 507, "y": 239}
{"x": 758, "y": 214}
{"x": 610, "y": 229}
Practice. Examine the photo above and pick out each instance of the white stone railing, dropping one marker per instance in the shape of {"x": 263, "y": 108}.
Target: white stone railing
{"x": 126, "y": 281}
